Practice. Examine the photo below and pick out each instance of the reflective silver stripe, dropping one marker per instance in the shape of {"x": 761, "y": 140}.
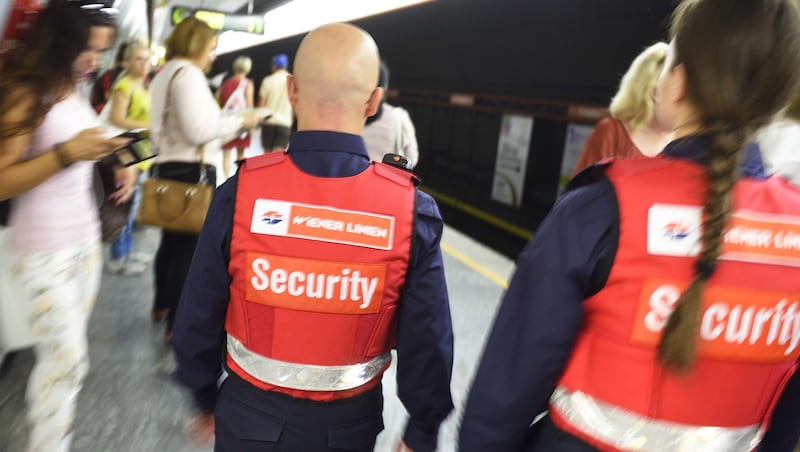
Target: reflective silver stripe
{"x": 305, "y": 377}
{"x": 627, "y": 430}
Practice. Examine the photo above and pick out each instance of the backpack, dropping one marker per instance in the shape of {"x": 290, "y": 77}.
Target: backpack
{"x": 102, "y": 88}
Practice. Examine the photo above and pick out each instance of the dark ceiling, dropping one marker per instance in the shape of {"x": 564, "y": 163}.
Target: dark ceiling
{"x": 558, "y": 49}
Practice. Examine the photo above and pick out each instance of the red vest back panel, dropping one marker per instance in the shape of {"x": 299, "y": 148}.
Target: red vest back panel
{"x": 749, "y": 337}
{"x": 318, "y": 264}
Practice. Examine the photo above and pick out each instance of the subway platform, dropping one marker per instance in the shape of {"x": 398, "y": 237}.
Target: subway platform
{"x": 130, "y": 403}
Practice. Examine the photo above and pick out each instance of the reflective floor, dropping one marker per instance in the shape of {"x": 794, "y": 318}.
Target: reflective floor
{"x": 130, "y": 404}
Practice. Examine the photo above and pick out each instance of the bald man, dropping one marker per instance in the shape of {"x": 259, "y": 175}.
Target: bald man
{"x": 313, "y": 264}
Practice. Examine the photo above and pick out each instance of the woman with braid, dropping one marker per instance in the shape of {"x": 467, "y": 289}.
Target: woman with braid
{"x": 658, "y": 306}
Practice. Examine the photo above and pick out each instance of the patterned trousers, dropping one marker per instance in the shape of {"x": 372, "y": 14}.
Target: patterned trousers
{"x": 60, "y": 288}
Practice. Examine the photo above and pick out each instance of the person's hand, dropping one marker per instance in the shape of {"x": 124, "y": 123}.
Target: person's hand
{"x": 199, "y": 428}
{"x": 263, "y": 114}
{"x": 250, "y": 120}
{"x": 125, "y": 180}
{"x": 401, "y": 447}
{"x": 90, "y": 144}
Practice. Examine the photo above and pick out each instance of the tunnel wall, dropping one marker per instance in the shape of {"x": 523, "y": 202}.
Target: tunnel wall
{"x": 542, "y": 58}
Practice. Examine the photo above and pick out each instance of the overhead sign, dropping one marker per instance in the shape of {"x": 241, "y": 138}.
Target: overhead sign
{"x": 219, "y": 20}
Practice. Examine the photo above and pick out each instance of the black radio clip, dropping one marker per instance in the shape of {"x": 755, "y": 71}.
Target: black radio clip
{"x": 398, "y": 161}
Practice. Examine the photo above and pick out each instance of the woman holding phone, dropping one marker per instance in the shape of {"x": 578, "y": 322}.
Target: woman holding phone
{"x": 49, "y": 139}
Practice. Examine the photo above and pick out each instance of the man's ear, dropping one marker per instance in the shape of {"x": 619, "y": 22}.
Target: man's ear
{"x": 291, "y": 88}
{"x": 374, "y": 102}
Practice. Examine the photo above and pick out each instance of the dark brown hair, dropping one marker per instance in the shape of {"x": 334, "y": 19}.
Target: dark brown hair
{"x": 43, "y": 64}
{"x": 792, "y": 110}
{"x": 741, "y": 59}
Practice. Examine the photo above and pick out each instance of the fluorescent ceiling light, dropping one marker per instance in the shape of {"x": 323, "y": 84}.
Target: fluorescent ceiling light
{"x": 300, "y": 16}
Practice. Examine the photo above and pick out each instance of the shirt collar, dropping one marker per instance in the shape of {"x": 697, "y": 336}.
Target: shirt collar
{"x": 692, "y": 147}
{"x": 319, "y": 140}
{"x": 697, "y": 148}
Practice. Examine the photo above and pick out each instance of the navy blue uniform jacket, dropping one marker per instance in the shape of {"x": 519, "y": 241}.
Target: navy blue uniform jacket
{"x": 540, "y": 317}
{"x": 424, "y": 333}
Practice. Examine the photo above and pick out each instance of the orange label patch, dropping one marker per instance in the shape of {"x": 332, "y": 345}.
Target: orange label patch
{"x": 740, "y": 325}
{"x": 314, "y": 285}
{"x": 758, "y": 237}
{"x": 326, "y": 224}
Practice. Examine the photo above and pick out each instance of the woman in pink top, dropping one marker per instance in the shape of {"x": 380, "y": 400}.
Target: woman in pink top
{"x": 48, "y": 141}
{"x": 631, "y": 131}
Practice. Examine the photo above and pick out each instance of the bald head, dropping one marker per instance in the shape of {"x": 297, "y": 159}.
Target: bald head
{"x": 334, "y": 79}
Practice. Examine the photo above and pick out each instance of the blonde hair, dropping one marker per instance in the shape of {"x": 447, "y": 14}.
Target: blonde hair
{"x": 188, "y": 39}
{"x": 633, "y": 103}
{"x": 132, "y": 48}
{"x": 242, "y": 65}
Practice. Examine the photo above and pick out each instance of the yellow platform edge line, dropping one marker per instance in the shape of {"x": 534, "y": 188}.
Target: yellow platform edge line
{"x": 478, "y": 213}
{"x": 490, "y": 275}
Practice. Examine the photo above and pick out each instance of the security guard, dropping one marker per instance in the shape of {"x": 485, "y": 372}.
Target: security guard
{"x": 312, "y": 265}
{"x": 657, "y": 307}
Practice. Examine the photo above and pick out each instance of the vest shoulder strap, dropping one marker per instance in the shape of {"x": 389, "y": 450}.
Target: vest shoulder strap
{"x": 268, "y": 159}
{"x": 399, "y": 176}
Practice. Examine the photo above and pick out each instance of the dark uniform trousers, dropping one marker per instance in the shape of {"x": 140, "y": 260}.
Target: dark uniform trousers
{"x": 248, "y": 419}
{"x": 544, "y": 436}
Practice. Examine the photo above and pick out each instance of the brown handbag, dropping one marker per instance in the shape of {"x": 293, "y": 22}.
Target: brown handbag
{"x": 173, "y": 205}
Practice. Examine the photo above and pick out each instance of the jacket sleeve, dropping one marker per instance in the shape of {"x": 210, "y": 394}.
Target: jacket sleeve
{"x": 198, "y": 332}
{"x": 196, "y": 111}
{"x": 538, "y": 320}
{"x": 425, "y": 334}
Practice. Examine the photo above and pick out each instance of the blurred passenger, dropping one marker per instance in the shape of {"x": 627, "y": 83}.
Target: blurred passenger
{"x": 631, "y": 318}
{"x": 130, "y": 109}
{"x": 236, "y": 94}
{"x": 390, "y": 130}
{"x": 631, "y": 131}
{"x": 186, "y": 133}
{"x": 277, "y": 129}
{"x": 101, "y": 90}
{"x": 305, "y": 352}
{"x": 780, "y": 143}
{"x": 49, "y": 138}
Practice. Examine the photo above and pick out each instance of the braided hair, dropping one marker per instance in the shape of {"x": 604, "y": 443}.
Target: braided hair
{"x": 741, "y": 59}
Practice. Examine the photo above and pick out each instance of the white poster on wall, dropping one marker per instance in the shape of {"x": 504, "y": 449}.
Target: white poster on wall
{"x": 577, "y": 134}
{"x": 512, "y": 159}
{"x": 5, "y": 11}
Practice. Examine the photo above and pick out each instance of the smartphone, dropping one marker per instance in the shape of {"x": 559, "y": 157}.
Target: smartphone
{"x": 138, "y": 149}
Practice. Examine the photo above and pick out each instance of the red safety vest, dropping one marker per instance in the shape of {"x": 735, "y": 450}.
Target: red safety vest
{"x": 317, "y": 266}
{"x": 749, "y": 326}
